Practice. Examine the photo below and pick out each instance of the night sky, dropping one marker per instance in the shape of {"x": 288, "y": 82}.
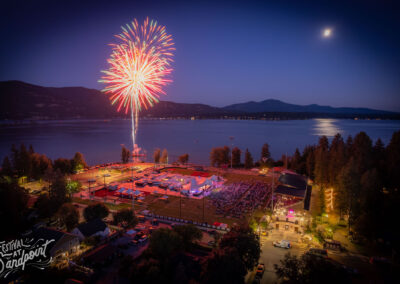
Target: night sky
{"x": 227, "y": 52}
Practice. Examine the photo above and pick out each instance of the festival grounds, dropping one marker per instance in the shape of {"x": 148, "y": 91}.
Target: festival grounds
{"x": 167, "y": 202}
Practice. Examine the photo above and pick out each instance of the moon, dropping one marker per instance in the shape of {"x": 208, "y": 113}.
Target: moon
{"x": 327, "y": 32}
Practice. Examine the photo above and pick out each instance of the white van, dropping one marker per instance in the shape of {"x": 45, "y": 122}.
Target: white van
{"x": 282, "y": 244}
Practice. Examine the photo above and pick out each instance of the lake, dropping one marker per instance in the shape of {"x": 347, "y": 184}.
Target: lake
{"x": 100, "y": 140}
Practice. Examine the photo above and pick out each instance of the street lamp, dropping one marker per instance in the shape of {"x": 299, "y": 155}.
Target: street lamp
{"x": 180, "y": 202}
{"x": 231, "y": 138}
{"x": 203, "y": 204}
{"x": 133, "y": 197}
{"x": 272, "y": 191}
{"x": 104, "y": 176}
{"x": 90, "y": 181}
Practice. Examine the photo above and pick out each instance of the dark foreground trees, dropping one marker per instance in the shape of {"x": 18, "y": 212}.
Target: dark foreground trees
{"x": 245, "y": 241}
{"x": 238, "y": 253}
{"x": 68, "y": 215}
{"x": 126, "y": 218}
{"x": 13, "y": 206}
{"x": 224, "y": 266}
{"x": 174, "y": 256}
{"x": 166, "y": 259}
{"x": 95, "y": 211}
{"x": 309, "y": 269}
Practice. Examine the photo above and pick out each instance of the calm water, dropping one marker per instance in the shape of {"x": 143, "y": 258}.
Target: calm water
{"x": 100, "y": 141}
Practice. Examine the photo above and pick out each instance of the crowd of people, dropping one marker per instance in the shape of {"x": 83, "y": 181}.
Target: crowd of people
{"x": 238, "y": 199}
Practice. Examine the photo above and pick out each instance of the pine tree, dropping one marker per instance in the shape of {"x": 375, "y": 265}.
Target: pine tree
{"x": 309, "y": 161}
{"x": 248, "y": 160}
{"x": 6, "y": 167}
{"x": 322, "y": 162}
{"x": 295, "y": 161}
{"x": 236, "y": 153}
{"x": 362, "y": 152}
{"x": 349, "y": 190}
{"x": 265, "y": 153}
{"x": 337, "y": 159}
{"x": 393, "y": 161}
{"x": 24, "y": 162}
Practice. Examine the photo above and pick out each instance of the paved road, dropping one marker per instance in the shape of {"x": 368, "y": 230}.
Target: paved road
{"x": 271, "y": 255}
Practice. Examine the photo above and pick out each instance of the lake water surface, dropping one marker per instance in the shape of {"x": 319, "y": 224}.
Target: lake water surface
{"x": 100, "y": 141}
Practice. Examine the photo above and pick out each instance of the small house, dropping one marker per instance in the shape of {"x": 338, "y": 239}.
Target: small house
{"x": 92, "y": 228}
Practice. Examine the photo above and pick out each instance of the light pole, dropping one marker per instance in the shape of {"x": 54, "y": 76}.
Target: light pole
{"x": 90, "y": 181}
{"x": 272, "y": 191}
{"x": 231, "y": 138}
{"x": 203, "y": 204}
{"x": 180, "y": 202}
{"x": 133, "y": 197}
{"x": 104, "y": 176}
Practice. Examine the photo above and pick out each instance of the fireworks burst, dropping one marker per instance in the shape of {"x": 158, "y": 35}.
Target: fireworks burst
{"x": 139, "y": 68}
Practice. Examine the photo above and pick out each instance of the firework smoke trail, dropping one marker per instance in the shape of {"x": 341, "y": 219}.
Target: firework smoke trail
{"x": 139, "y": 68}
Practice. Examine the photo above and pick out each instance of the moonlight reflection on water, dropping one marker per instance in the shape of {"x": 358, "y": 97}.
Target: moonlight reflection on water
{"x": 327, "y": 127}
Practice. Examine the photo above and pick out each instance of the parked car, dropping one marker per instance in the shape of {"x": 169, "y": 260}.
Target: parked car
{"x": 140, "y": 228}
{"x": 381, "y": 262}
{"x": 318, "y": 252}
{"x": 138, "y": 236}
{"x": 133, "y": 242}
{"x": 282, "y": 244}
{"x": 333, "y": 245}
{"x": 141, "y": 218}
{"x": 143, "y": 238}
{"x": 260, "y": 269}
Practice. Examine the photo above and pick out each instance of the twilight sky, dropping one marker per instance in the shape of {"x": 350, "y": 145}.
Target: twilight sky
{"x": 227, "y": 51}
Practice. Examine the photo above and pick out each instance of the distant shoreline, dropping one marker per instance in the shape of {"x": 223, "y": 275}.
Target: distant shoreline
{"x": 6, "y": 122}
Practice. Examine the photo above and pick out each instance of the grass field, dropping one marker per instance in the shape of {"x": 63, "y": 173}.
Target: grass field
{"x": 192, "y": 209}
{"x": 110, "y": 206}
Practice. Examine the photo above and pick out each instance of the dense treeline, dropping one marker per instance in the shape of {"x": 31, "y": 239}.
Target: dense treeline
{"x": 223, "y": 156}
{"x": 23, "y": 162}
{"x": 364, "y": 178}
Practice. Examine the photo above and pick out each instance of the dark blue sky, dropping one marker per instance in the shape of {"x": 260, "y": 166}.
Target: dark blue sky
{"x": 227, "y": 52}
